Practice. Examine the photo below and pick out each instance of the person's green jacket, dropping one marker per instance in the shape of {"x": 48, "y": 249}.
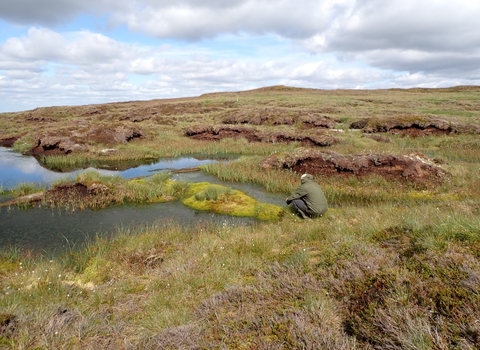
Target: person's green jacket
{"x": 311, "y": 193}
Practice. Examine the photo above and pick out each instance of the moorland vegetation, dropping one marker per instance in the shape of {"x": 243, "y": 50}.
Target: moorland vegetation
{"x": 393, "y": 264}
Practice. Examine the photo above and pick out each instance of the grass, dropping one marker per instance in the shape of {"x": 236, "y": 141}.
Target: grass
{"x": 23, "y": 189}
{"x": 338, "y": 282}
{"x": 391, "y": 265}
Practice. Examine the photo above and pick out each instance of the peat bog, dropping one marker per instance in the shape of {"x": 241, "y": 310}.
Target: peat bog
{"x": 393, "y": 264}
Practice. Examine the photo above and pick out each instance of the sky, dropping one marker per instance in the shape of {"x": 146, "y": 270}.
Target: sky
{"x": 71, "y": 52}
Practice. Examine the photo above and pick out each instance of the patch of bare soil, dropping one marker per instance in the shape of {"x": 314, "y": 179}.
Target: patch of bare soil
{"x": 62, "y": 193}
{"x": 8, "y": 325}
{"x": 53, "y": 145}
{"x": 78, "y": 140}
{"x": 218, "y": 132}
{"x": 278, "y": 116}
{"x": 413, "y": 125}
{"x": 414, "y": 167}
{"x": 135, "y": 118}
{"x": 8, "y": 142}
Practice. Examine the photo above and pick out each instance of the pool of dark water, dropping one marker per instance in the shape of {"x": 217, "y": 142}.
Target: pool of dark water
{"x": 54, "y": 231}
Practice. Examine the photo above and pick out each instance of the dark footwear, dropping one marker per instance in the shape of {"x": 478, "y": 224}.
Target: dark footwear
{"x": 303, "y": 215}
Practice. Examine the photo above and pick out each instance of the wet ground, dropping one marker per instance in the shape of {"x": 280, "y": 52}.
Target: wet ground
{"x": 54, "y": 230}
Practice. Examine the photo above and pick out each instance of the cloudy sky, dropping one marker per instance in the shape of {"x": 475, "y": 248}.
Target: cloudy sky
{"x": 72, "y": 52}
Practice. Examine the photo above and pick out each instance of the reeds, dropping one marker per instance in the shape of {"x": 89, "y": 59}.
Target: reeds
{"x": 23, "y": 189}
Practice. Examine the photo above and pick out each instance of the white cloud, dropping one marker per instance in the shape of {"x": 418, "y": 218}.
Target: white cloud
{"x": 194, "y": 20}
{"x": 53, "y": 12}
{"x": 78, "y": 52}
{"x": 405, "y": 35}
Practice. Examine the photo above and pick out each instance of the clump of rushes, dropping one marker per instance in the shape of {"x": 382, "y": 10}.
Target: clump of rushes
{"x": 23, "y": 189}
{"x": 224, "y": 200}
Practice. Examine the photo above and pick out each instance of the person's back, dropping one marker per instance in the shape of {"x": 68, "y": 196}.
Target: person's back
{"x": 312, "y": 195}
{"x": 315, "y": 198}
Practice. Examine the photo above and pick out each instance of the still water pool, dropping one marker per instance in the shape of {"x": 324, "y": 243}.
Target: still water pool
{"x": 16, "y": 168}
{"x": 53, "y": 231}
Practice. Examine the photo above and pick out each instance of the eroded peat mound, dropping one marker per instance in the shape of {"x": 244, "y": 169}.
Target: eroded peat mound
{"x": 413, "y": 125}
{"x": 218, "y": 132}
{"x": 414, "y": 167}
{"x": 8, "y": 141}
{"x": 70, "y": 196}
{"x": 70, "y": 141}
{"x": 78, "y": 195}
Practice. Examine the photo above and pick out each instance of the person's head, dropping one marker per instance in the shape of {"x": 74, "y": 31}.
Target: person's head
{"x": 306, "y": 177}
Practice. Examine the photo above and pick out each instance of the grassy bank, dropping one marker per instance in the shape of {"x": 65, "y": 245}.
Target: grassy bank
{"x": 360, "y": 277}
{"x": 393, "y": 264}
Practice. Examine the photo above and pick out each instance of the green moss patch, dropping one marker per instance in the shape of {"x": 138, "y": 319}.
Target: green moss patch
{"x": 224, "y": 200}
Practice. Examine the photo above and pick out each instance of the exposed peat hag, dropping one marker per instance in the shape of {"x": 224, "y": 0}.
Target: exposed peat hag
{"x": 413, "y": 167}
{"x": 8, "y": 142}
{"x": 71, "y": 141}
{"x": 413, "y": 125}
{"x": 218, "y": 132}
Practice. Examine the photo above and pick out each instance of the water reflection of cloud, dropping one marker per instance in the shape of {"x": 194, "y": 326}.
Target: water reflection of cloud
{"x": 25, "y": 165}
{"x": 16, "y": 168}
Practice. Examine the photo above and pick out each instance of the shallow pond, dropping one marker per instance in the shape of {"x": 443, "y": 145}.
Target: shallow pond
{"x": 16, "y": 168}
{"x": 54, "y": 230}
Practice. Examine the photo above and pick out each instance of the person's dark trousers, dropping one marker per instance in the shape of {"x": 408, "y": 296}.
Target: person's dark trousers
{"x": 301, "y": 208}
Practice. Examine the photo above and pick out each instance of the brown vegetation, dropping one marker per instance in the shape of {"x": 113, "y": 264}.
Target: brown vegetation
{"x": 414, "y": 125}
{"x": 278, "y": 116}
{"x": 218, "y": 132}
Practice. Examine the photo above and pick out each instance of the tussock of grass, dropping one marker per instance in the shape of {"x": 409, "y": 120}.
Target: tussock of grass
{"x": 23, "y": 189}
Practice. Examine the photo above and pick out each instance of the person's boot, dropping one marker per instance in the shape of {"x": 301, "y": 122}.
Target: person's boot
{"x": 303, "y": 215}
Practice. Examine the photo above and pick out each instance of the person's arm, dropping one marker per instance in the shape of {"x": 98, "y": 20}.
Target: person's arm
{"x": 299, "y": 193}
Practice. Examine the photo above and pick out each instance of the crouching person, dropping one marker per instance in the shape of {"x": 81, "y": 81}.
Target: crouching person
{"x": 308, "y": 198}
